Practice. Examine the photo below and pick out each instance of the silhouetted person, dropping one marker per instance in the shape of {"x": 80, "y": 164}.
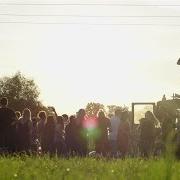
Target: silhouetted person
{"x": 124, "y": 134}
{"x": 41, "y": 129}
{"x": 70, "y": 133}
{"x": 81, "y": 134}
{"x": 7, "y": 129}
{"x": 24, "y": 130}
{"x": 102, "y": 142}
{"x": 35, "y": 141}
{"x": 15, "y": 123}
{"x": 147, "y": 134}
{"x": 49, "y": 135}
{"x": 167, "y": 126}
{"x": 115, "y": 122}
{"x": 60, "y": 136}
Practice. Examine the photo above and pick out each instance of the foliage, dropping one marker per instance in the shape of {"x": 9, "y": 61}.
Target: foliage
{"x": 93, "y": 108}
{"x": 21, "y": 92}
{"x": 111, "y": 109}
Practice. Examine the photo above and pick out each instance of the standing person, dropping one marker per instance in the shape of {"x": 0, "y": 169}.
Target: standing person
{"x": 102, "y": 142}
{"x": 41, "y": 126}
{"x": 167, "y": 126}
{"x": 35, "y": 141}
{"x": 24, "y": 129}
{"x": 7, "y": 129}
{"x": 124, "y": 134}
{"x": 115, "y": 122}
{"x": 147, "y": 134}
{"x": 60, "y": 136}
{"x": 81, "y": 133}
{"x": 59, "y": 133}
{"x": 49, "y": 134}
{"x": 18, "y": 116}
{"x": 70, "y": 134}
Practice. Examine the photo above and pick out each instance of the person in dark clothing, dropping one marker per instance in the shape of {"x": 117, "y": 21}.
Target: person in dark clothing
{"x": 60, "y": 136}
{"x": 70, "y": 136}
{"x": 35, "y": 141}
{"x": 124, "y": 134}
{"x": 7, "y": 127}
{"x": 81, "y": 134}
{"x": 24, "y": 132}
{"x": 41, "y": 126}
{"x": 102, "y": 143}
{"x": 49, "y": 135}
{"x": 147, "y": 134}
{"x": 167, "y": 126}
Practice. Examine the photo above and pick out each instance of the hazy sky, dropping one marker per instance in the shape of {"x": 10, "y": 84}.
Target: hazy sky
{"x": 74, "y": 64}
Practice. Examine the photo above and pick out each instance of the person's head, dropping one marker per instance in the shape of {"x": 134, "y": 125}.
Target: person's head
{"x": 101, "y": 115}
{"x": 18, "y": 114}
{"x": 60, "y": 120}
{"x": 148, "y": 115}
{"x": 81, "y": 113}
{"x": 4, "y": 101}
{"x": 142, "y": 120}
{"x": 65, "y": 117}
{"x": 26, "y": 114}
{"x": 151, "y": 117}
{"x": 118, "y": 112}
{"x": 72, "y": 119}
{"x": 124, "y": 116}
{"x": 42, "y": 115}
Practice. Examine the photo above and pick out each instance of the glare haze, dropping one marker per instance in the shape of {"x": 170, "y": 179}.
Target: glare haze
{"x": 97, "y": 59}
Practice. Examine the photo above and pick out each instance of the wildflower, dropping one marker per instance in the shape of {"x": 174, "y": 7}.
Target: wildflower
{"x": 68, "y": 169}
{"x": 112, "y": 171}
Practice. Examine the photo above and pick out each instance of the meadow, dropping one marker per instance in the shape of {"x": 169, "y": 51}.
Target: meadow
{"x": 45, "y": 168}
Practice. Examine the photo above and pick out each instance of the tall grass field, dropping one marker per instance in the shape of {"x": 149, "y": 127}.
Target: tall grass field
{"x": 45, "y": 168}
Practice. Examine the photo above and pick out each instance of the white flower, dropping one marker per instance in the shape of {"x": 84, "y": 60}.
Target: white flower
{"x": 68, "y": 169}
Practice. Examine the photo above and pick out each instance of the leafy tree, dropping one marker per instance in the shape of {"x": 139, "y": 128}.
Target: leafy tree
{"x": 111, "y": 109}
{"x": 93, "y": 108}
{"x": 21, "y": 93}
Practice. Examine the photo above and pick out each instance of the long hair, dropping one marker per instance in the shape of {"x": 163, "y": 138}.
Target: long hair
{"x": 42, "y": 115}
{"x": 101, "y": 114}
{"x": 26, "y": 114}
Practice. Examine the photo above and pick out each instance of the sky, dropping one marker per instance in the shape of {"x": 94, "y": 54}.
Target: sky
{"x": 87, "y": 58}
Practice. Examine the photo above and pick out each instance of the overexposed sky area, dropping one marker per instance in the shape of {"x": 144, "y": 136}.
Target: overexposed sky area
{"x": 78, "y": 54}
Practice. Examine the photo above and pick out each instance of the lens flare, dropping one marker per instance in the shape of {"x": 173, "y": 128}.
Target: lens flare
{"x": 90, "y": 123}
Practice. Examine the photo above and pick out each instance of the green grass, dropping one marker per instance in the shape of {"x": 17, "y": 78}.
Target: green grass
{"x": 23, "y": 168}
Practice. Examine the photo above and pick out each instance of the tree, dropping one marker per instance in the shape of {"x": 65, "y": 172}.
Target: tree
{"x": 21, "y": 93}
{"x": 111, "y": 109}
{"x": 93, "y": 108}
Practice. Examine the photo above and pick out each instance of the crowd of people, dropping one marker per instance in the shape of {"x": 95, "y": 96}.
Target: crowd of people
{"x": 69, "y": 136}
